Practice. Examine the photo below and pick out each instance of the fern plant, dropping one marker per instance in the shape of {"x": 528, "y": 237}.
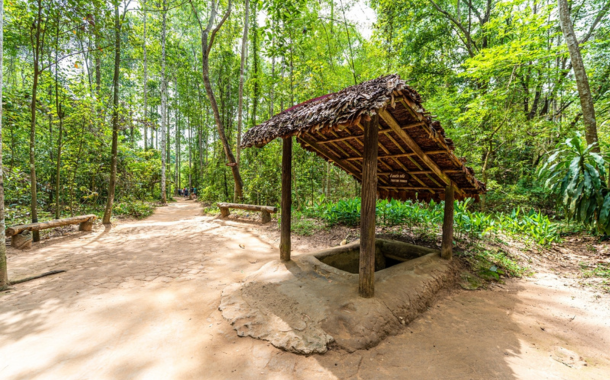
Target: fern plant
{"x": 577, "y": 176}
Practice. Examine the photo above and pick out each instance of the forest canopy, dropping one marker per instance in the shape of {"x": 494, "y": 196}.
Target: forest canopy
{"x": 107, "y": 103}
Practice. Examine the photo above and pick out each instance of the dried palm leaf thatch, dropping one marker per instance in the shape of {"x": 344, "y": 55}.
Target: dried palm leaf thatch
{"x": 331, "y": 112}
{"x": 410, "y": 140}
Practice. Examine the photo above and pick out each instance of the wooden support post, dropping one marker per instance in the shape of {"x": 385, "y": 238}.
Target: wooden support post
{"x": 286, "y": 198}
{"x": 367, "y": 209}
{"x": 447, "y": 244}
{"x": 86, "y": 225}
{"x": 21, "y": 241}
{"x": 265, "y": 217}
{"x": 224, "y": 212}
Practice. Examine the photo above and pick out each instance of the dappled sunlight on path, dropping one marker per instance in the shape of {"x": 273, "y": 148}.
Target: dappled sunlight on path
{"x": 140, "y": 300}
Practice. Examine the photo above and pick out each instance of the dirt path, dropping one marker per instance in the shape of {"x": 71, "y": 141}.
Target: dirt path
{"x": 140, "y": 301}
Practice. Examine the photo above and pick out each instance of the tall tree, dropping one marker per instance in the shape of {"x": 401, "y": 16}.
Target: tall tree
{"x": 208, "y": 34}
{"x": 145, "y": 78}
{"x": 3, "y": 263}
{"x": 115, "y": 112}
{"x": 582, "y": 82}
{"x": 60, "y": 116}
{"x": 37, "y": 36}
{"x": 163, "y": 103}
{"x": 244, "y": 50}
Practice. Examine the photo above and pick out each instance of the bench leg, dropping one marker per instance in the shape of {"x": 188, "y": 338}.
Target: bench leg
{"x": 86, "y": 226}
{"x": 224, "y": 212}
{"x": 20, "y": 241}
{"x": 266, "y": 217}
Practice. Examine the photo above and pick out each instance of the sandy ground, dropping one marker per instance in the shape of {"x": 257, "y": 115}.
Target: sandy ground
{"x": 140, "y": 301}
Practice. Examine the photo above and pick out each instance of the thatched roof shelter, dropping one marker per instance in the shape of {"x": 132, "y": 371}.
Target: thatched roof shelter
{"x": 415, "y": 158}
{"x": 379, "y": 133}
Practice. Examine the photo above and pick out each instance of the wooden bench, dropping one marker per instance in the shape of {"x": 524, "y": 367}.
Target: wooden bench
{"x": 20, "y": 241}
{"x": 266, "y": 211}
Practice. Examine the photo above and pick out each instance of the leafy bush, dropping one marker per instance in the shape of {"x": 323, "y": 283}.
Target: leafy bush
{"x": 345, "y": 212}
{"x": 577, "y": 176}
{"x": 136, "y": 209}
{"x": 427, "y": 217}
{"x": 304, "y": 227}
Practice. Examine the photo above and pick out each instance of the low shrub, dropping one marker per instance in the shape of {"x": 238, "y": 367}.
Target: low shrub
{"x": 421, "y": 216}
{"x": 136, "y": 209}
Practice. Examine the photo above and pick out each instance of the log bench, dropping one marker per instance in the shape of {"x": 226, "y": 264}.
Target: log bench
{"x": 266, "y": 211}
{"x": 20, "y": 241}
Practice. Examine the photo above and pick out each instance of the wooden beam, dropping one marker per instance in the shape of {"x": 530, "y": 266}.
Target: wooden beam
{"x": 379, "y": 161}
{"x": 424, "y": 172}
{"x": 409, "y": 188}
{"x": 286, "y": 205}
{"x": 397, "y": 155}
{"x": 366, "y": 275}
{"x": 402, "y": 166}
{"x": 409, "y": 105}
{"x": 447, "y": 242}
{"x": 343, "y": 164}
{"x": 389, "y": 119}
{"x": 387, "y": 130}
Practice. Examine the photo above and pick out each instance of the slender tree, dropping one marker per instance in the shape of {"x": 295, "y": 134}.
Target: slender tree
{"x": 244, "y": 51}
{"x": 115, "y": 114}
{"x": 3, "y": 262}
{"x": 208, "y": 34}
{"x": 582, "y": 82}
{"x": 163, "y": 104}
{"x": 60, "y": 116}
{"x": 37, "y": 36}
{"x": 145, "y": 78}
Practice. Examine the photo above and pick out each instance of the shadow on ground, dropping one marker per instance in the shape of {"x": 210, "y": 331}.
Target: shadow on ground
{"x": 141, "y": 301}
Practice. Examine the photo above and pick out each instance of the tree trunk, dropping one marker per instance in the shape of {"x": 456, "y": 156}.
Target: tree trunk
{"x": 447, "y": 241}
{"x": 366, "y": 276}
{"x": 38, "y": 41}
{"x": 244, "y": 51}
{"x": 115, "y": 115}
{"x": 145, "y": 80}
{"x": 163, "y": 105}
{"x": 3, "y": 263}
{"x": 286, "y": 206}
{"x": 205, "y": 51}
{"x": 177, "y": 132}
{"x": 582, "y": 82}
{"x": 190, "y": 161}
{"x": 255, "y": 69}
{"x": 61, "y": 130}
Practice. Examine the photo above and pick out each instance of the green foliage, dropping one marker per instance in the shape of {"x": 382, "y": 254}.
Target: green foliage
{"x": 601, "y": 270}
{"x": 304, "y": 226}
{"x": 533, "y": 224}
{"x": 423, "y": 217}
{"x": 346, "y": 212}
{"x": 490, "y": 265}
{"x": 138, "y": 210}
{"x": 577, "y": 176}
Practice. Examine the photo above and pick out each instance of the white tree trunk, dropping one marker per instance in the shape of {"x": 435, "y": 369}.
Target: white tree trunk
{"x": 582, "y": 82}
{"x": 163, "y": 106}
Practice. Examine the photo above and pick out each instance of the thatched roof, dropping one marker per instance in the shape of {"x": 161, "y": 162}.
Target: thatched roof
{"x": 409, "y": 140}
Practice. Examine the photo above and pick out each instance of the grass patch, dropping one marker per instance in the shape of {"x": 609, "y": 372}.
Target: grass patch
{"x": 490, "y": 265}
{"x": 135, "y": 209}
{"x": 305, "y": 227}
{"x": 601, "y": 270}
